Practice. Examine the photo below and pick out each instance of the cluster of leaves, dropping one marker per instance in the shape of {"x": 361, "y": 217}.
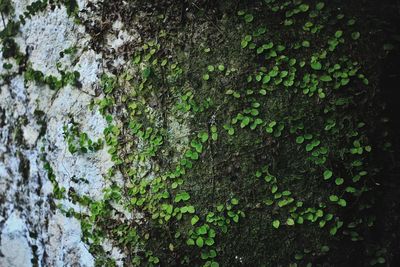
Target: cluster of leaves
{"x": 160, "y": 197}
{"x": 38, "y": 6}
{"x": 78, "y": 141}
{"x": 67, "y": 78}
{"x": 156, "y": 189}
{"x": 277, "y": 148}
{"x": 324, "y": 74}
{"x": 58, "y": 192}
{"x": 10, "y": 48}
{"x": 33, "y": 9}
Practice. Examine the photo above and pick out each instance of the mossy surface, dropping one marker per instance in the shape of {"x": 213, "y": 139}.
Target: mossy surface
{"x": 242, "y": 133}
{"x": 279, "y": 132}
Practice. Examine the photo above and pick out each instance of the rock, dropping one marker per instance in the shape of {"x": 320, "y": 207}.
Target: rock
{"x": 15, "y": 249}
{"x": 32, "y": 232}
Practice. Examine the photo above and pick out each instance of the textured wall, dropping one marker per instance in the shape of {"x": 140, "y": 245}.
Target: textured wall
{"x": 174, "y": 129}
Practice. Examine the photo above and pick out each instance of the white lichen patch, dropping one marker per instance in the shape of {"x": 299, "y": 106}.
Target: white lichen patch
{"x": 89, "y": 66}
{"x": 31, "y": 134}
{"x": 14, "y": 242}
{"x": 12, "y": 98}
{"x": 46, "y": 35}
{"x": 65, "y": 245}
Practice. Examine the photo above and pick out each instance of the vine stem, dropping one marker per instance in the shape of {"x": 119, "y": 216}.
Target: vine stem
{"x": 2, "y": 18}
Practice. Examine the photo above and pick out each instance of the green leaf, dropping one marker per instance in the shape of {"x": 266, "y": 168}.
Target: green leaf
{"x": 198, "y": 146}
{"x": 200, "y": 242}
{"x": 203, "y": 136}
{"x": 164, "y": 62}
{"x": 206, "y": 77}
{"x": 169, "y": 209}
{"x": 299, "y": 139}
{"x": 338, "y": 34}
{"x": 184, "y": 209}
{"x": 276, "y": 224}
{"x": 381, "y": 260}
{"x": 182, "y": 196}
{"x": 146, "y": 72}
{"x": 137, "y": 59}
{"x": 333, "y": 231}
{"x": 245, "y": 122}
{"x": 211, "y": 233}
{"x": 333, "y": 198}
{"x": 202, "y": 230}
{"x": 282, "y": 203}
{"x": 320, "y": 5}
{"x": 355, "y": 35}
{"x": 266, "y": 79}
{"x": 324, "y": 249}
{"x": 309, "y": 147}
{"x": 304, "y": 7}
{"x": 191, "y": 209}
{"x": 195, "y": 219}
{"x": 185, "y": 196}
{"x": 248, "y": 18}
{"x": 327, "y": 174}
{"x": 298, "y": 256}
{"x": 325, "y": 78}
{"x": 342, "y": 202}
{"x": 316, "y": 65}
{"x": 254, "y": 112}
{"x": 339, "y": 181}
{"x": 290, "y": 221}
{"x": 210, "y": 241}
{"x": 305, "y": 43}
{"x": 274, "y": 189}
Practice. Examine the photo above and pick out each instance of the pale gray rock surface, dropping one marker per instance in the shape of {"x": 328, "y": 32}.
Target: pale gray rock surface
{"x": 32, "y": 232}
